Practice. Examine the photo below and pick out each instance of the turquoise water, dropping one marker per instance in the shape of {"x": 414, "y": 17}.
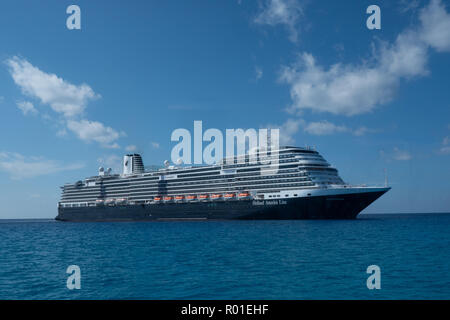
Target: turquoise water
{"x": 228, "y": 259}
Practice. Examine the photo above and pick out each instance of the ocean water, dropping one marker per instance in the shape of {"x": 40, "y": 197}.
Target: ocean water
{"x": 228, "y": 259}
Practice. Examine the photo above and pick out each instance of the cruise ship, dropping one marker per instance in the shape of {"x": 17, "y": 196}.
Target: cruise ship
{"x": 302, "y": 186}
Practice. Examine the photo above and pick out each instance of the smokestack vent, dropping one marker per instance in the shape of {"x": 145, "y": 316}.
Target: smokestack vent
{"x": 132, "y": 164}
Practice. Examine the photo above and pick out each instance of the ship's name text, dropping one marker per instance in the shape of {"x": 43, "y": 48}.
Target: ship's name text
{"x": 268, "y": 202}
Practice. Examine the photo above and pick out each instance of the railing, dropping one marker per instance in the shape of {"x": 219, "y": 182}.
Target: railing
{"x": 76, "y": 204}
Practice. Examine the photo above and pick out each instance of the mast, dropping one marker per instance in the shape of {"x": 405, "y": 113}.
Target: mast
{"x": 385, "y": 177}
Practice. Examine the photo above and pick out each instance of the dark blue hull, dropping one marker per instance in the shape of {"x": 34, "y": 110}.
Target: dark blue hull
{"x": 342, "y": 206}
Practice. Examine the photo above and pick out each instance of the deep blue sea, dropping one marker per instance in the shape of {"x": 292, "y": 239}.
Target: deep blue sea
{"x": 228, "y": 259}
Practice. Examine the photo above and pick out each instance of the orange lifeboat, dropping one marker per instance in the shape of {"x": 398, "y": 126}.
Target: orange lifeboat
{"x": 157, "y": 199}
{"x": 179, "y": 198}
{"x": 230, "y": 196}
{"x": 217, "y": 196}
{"x": 191, "y": 197}
{"x": 204, "y": 197}
{"x": 168, "y": 198}
{"x": 244, "y": 195}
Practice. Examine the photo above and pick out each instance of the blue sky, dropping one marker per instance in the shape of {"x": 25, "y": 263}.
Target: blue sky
{"x": 72, "y": 100}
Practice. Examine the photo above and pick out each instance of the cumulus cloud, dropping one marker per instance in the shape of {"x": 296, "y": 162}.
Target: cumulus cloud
{"x": 281, "y": 12}
{"x": 21, "y": 167}
{"x": 62, "y": 96}
{"x": 401, "y": 155}
{"x": 94, "y": 131}
{"x": 320, "y": 128}
{"x": 258, "y": 73}
{"x": 351, "y": 89}
{"x": 363, "y": 130}
{"x": 445, "y": 148}
{"x": 131, "y": 148}
{"x": 396, "y": 154}
{"x": 436, "y": 26}
{"x": 287, "y": 130}
{"x": 324, "y": 128}
{"x": 61, "y": 132}
{"x": 406, "y": 6}
{"x": 26, "y": 107}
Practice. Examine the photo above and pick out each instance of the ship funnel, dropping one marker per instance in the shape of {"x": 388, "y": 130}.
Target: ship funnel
{"x": 132, "y": 163}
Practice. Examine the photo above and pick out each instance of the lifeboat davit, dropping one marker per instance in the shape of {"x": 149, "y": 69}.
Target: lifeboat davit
{"x": 244, "y": 195}
{"x": 99, "y": 202}
{"x": 191, "y": 197}
{"x": 217, "y": 196}
{"x": 230, "y": 196}
{"x": 168, "y": 199}
{"x": 110, "y": 202}
{"x": 179, "y": 198}
{"x": 121, "y": 201}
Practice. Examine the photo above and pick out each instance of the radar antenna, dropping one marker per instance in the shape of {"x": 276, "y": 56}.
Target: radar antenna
{"x": 385, "y": 177}
{"x": 166, "y": 163}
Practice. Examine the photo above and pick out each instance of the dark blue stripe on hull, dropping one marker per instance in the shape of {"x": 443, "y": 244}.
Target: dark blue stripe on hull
{"x": 346, "y": 206}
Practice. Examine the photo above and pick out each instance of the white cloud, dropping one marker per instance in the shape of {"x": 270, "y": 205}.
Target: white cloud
{"x": 287, "y": 130}
{"x": 436, "y": 26}
{"x": 319, "y": 128}
{"x": 396, "y": 154}
{"x": 94, "y": 131}
{"x": 65, "y": 98}
{"x": 401, "y": 155}
{"x": 131, "y": 148}
{"x": 258, "y": 72}
{"x": 62, "y": 96}
{"x": 408, "y": 5}
{"x": 324, "y": 128}
{"x": 26, "y": 107}
{"x": 358, "y": 88}
{"x": 21, "y": 167}
{"x": 283, "y": 12}
{"x": 445, "y": 148}
{"x": 155, "y": 145}
{"x": 62, "y": 132}
{"x": 362, "y": 131}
